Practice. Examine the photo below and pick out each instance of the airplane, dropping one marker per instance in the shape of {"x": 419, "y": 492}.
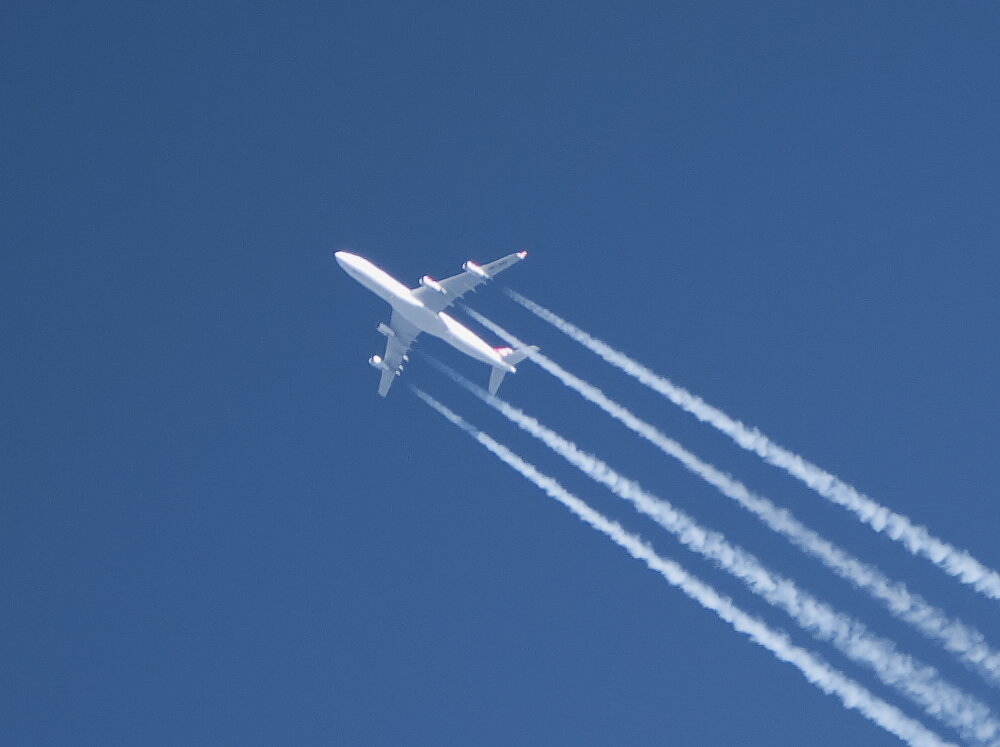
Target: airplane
{"x": 422, "y": 310}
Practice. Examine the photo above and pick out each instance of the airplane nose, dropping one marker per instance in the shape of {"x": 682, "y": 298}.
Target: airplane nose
{"x": 342, "y": 258}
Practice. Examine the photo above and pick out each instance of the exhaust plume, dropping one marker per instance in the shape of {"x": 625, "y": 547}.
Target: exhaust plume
{"x": 851, "y": 694}
{"x": 917, "y": 681}
{"x": 915, "y": 538}
{"x": 966, "y": 643}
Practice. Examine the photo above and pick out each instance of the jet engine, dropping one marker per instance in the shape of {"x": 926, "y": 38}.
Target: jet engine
{"x": 376, "y": 362}
{"x": 475, "y": 269}
{"x": 428, "y": 282}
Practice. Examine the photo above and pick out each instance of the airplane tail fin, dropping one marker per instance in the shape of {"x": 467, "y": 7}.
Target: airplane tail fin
{"x": 511, "y": 357}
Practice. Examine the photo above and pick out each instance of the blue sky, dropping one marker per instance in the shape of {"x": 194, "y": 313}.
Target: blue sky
{"x": 213, "y": 530}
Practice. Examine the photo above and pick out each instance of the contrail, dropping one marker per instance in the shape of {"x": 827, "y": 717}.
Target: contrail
{"x": 963, "y": 641}
{"x": 917, "y": 681}
{"x": 914, "y": 537}
{"x": 831, "y": 681}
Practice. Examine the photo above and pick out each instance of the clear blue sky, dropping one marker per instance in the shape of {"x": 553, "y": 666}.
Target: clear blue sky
{"x": 213, "y": 531}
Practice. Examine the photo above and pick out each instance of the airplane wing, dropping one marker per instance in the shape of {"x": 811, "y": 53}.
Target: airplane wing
{"x": 399, "y": 338}
{"x": 437, "y": 295}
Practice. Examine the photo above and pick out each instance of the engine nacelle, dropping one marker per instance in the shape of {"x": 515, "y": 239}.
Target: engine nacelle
{"x": 376, "y": 362}
{"x": 385, "y": 329}
{"x": 428, "y": 282}
{"x": 475, "y": 269}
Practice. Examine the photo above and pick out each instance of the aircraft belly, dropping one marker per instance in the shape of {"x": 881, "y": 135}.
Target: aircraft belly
{"x": 377, "y": 281}
{"x": 419, "y": 316}
{"x": 471, "y": 350}
{"x": 445, "y": 328}
{"x": 471, "y": 344}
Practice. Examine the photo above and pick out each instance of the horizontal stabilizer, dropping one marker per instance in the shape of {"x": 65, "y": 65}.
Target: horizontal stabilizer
{"x": 511, "y": 357}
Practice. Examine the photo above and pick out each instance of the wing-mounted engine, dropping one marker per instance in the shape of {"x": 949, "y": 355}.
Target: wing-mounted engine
{"x": 376, "y": 361}
{"x": 428, "y": 282}
{"x": 475, "y": 269}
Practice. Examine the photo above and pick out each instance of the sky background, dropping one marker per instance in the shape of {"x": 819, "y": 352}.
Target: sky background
{"x": 212, "y": 529}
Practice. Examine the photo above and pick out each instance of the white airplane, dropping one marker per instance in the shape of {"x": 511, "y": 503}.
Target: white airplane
{"x": 422, "y": 310}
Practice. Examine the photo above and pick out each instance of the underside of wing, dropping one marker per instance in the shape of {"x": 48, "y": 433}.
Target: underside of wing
{"x": 437, "y": 295}
{"x": 400, "y": 335}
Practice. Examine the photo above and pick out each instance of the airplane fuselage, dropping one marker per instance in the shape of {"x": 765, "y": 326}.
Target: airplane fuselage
{"x": 402, "y": 300}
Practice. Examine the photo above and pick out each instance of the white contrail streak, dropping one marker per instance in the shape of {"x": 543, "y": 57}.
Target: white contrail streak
{"x": 831, "y": 681}
{"x": 963, "y": 641}
{"x": 917, "y": 681}
{"x": 954, "y": 561}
